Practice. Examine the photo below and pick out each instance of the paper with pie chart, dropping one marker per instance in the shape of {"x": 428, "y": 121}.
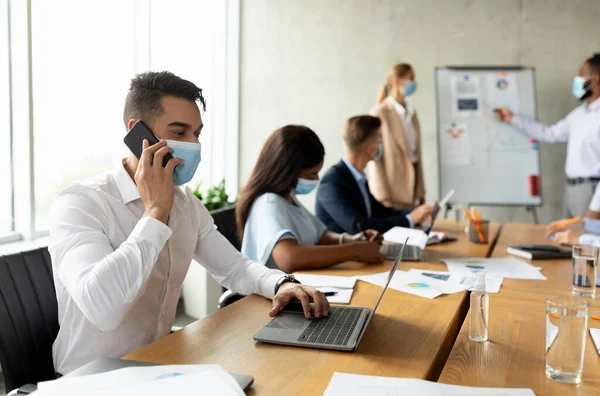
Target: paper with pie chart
{"x": 499, "y": 267}
{"x": 456, "y": 142}
{"x": 415, "y": 284}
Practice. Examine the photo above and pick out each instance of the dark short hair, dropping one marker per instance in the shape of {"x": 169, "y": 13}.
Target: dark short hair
{"x": 359, "y": 129}
{"x": 147, "y": 89}
{"x": 594, "y": 63}
{"x": 287, "y": 152}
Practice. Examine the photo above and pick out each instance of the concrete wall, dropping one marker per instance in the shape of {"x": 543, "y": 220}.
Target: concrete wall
{"x": 318, "y": 62}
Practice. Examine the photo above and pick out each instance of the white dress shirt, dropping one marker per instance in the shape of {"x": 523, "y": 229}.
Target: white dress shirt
{"x": 406, "y": 115}
{"x": 581, "y": 130}
{"x": 118, "y": 275}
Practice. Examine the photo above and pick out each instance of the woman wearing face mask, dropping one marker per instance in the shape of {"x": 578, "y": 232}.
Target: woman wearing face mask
{"x": 581, "y": 129}
{"x": 397, "y": 179}
{"x": 277, "y": 230}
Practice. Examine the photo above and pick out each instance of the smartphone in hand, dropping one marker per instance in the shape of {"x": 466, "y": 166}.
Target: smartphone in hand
{"x": 135, "y": 138}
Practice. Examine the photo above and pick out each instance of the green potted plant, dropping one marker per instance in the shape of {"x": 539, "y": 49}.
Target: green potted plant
{"x": 215, "y": 198}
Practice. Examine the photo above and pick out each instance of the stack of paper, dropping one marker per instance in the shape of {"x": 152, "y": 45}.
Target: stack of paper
{"x": 398, "y": 235}
{"x": 147, "y": 381}
{"x": 343, "y": 384}
{"x": 492, "y": 283}
{"x": 342, "y": 286}
{"x": 595, "y": 333}
{"x": 415, "y": 283}
{"x": 497, "y": 267}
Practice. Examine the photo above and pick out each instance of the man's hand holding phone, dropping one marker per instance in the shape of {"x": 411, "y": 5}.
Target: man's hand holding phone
{"x": 154, "y": 182}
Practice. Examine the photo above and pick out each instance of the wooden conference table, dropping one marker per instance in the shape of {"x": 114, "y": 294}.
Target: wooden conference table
{"x": 409, "y": 337}
{"x": 515, "y": 354}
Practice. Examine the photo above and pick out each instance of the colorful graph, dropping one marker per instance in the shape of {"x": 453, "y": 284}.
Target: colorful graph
{"x": 418, "y": 285}
{"x": 475, "y": 266}
{"x": 454, "y": 131}
{"x": 502, "y": 84}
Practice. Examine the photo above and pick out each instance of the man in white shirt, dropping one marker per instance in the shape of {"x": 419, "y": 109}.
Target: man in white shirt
{"x": 581, "y": 130}
{"x": 122, "y": 242}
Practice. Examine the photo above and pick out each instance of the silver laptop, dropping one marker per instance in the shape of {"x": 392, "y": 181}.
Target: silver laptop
{"x": 342, "y": 330}
{"x": 414, "y": 253}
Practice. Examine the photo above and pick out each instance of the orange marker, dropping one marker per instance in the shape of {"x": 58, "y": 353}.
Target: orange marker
{"x": 567, "y": 222}
{"x": 595, "y": 317}
{"x": 476, "y": 223}
{"x": 555, "y": 316}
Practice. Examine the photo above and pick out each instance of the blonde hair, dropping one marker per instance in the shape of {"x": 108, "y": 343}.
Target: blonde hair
{"x": 397, "y": 71}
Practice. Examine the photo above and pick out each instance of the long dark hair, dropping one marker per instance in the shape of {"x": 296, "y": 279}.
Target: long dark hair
{"x": 287, "y": 152}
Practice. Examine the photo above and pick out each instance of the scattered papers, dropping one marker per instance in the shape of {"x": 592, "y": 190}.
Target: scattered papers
{"x": 492, "y": 283}
{"x": 398, "y": 235}
{"x": 343, "y": 286}
{"x": 342, "y": 296}
{"x": 340, "y": 282}
{"x": 149, "y": 381}
{"x": 595, "y": 333}
{"x": 414, "y": 283}
{"x": 497, "y": 267}
{"x": 343, "y": 384}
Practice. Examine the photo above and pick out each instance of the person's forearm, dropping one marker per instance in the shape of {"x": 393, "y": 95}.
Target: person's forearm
{"x": 316, "y": 256}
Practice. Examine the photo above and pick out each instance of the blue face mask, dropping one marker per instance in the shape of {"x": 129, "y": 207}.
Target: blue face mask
{"x": 578, "y": 87}
{"x": 305, "y": 186}
{"x": 379, "y": 153}
{"x": 410, "y": 88}
{"x": 190, "y": 155}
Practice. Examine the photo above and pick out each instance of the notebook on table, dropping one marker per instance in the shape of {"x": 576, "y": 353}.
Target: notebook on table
{"x": 539, "y": 252}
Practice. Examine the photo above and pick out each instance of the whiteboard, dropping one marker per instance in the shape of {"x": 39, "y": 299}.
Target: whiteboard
{"x": 487, "y": 162}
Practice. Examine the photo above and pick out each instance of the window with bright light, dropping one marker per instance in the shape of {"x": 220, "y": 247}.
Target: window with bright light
{"x": 85, "y": 53}
{"x": 6, "y": 189}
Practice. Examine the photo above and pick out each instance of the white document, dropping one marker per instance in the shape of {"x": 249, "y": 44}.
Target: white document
{"x": 343, "y": 384}
{"x": 498, "y": 267}
{"x": 340, "y": 282}
{"x": 415, "y": 283}
{"x": 466, "y": 96}
{"x": 342, "y": 296}
{"x": 399, "y": 234}
{"x": 551, "y": 333}
{"x": 492, "y": 283}
{"x": 455, "y": 145}
{"x": 151, "y": 380}
{"x": 595, "y": 333}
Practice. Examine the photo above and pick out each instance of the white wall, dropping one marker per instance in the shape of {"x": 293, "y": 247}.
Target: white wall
{"x": 318, "y": 62}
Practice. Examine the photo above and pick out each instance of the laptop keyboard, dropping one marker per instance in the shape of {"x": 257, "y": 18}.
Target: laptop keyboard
{"x": 334, "y": 329}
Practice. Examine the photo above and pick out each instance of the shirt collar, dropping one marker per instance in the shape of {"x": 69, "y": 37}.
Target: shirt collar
{"x": 358, "y": 176}
{"x": 594, "y": 106}
{"x": 401, "y": 110}
{"x": 127, "y": 188}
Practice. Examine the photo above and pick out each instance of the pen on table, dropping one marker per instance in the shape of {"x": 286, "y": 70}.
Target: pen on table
{"x": 329, "y": 294}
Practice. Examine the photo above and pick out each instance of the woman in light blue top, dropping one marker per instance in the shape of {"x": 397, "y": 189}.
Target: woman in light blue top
{"x": 276, "y": 229}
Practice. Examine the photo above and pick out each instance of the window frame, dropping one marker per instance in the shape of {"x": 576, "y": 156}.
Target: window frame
{"x": 21, "y": 120}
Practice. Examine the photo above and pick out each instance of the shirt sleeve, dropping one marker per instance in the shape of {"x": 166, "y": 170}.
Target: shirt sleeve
{"x": 591, "y": 226}
{"x": 590, "y": 239}
{"x": 557, "y": 133}
{"x": 595, "y": 202}
{"x": 104, "y": 282}
{"x": 229, "y": 267}
{"x": 267, "y": 224}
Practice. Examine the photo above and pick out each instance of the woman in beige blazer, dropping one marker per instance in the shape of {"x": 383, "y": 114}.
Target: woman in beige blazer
{"x": 396, "y": 180}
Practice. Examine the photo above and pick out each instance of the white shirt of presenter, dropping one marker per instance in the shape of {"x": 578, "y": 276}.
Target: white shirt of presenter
{"x": 118, "y": 275}
{"x": 406, "y": 116}
{"x": 580, "y": 129}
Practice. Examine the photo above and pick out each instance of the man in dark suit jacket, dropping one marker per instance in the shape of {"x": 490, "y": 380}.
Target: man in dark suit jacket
{"x": 344, "y": 202}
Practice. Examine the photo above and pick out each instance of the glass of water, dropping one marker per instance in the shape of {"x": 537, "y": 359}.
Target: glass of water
{"x": 585, "y": 259}
{"x": 566, "y": 327}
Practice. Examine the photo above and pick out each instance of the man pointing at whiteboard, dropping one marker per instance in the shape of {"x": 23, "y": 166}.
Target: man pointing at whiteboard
{"x": 580, "y": 129}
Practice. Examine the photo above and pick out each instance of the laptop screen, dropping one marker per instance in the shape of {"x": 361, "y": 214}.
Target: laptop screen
{"x": 391, "y": 275}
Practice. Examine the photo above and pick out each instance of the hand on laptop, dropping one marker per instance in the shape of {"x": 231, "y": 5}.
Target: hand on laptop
{"x": 420, "y": 214}
{"x": 289, "y": 292}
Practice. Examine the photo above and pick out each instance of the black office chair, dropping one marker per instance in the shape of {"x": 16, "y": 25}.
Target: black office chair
{"x": 225, "y": 222}
{"x": 28, "y": 318}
